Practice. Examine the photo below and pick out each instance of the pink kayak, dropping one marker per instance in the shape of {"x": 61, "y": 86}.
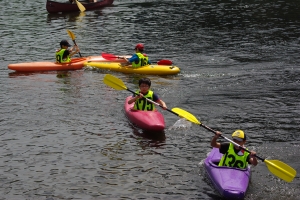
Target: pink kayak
{"x": 146, "y": 120}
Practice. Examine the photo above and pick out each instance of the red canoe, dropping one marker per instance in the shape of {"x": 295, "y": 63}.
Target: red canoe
{"x": 55, "y": 7}
{"x": 75, "y": 64}
{"x": 146, "y": 120}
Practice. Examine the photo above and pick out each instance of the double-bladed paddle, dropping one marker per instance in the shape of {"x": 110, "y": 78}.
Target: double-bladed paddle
{"x": 72, "y": 36}
{"x": 112, "y": 57}
{"x": 278, "y": 168}
{"x": 118, "y": 84}
{"x": 80, "y": 6}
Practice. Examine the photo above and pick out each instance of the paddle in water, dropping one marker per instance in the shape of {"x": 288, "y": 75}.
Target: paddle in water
{"x": 112, "y": 57}
{"x": 72, "y": 36}
{"x": 276, "y": 167}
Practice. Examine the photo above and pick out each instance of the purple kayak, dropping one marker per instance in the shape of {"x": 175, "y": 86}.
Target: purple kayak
{"x": 146, "y": 120}
{"x": 231, "y": 183}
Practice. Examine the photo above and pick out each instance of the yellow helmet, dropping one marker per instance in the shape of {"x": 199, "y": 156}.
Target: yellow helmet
{"x": 239, "y": 135}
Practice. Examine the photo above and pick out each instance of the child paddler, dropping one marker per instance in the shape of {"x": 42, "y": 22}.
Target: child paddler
{"x": 63, "y": 55}
{"x": 233, "y": 156}
{"x": 141, "y": 103}
{"x": 138, "y": 59}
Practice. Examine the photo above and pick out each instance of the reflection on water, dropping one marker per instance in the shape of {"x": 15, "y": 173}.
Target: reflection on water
{"x": 74, "y": 16}
{"x": 63, "y": 74}
{"x": 69, "y": 17}
{"x": 149, "y": 138}
{"x": 16, "y": 73}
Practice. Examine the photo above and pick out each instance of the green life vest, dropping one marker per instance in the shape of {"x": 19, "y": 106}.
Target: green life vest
{"x": 143, "y": 60}
{"x": 231, "y": 159}
{"x": 59, "y": 56}
{"x": 143, "y": 104}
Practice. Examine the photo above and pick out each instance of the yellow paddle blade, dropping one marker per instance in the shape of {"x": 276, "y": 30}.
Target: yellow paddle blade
{"x": 114, "y": 82}
{"x": 72, "y": 36}
{"x": 80, "y": 6}
{"x": 281, "y": 170}
{"x": 186, "y": 114}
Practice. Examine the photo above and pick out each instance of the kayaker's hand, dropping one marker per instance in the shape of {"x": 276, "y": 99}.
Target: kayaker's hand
{"x": 165, "y": 107}
{"x": 126, "y": 64}
{"x": 218, "y": 133}
{"x": 252, "y": 153}
{"x": 123, "y": 64}
{"x": 214, "y": 142}
{"x": 253, "y": 159}
{"x": 140, "y": 96}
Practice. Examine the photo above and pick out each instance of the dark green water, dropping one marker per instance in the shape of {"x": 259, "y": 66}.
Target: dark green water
{"x": 68, "y": 138}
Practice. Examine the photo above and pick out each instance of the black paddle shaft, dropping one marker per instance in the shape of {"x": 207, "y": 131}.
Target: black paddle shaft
{"x": 76, "y": 45}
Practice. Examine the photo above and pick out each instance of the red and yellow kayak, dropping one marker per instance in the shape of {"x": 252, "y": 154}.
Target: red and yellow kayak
{"x": 148, "y": 69}
{"x": 114, "y": 63}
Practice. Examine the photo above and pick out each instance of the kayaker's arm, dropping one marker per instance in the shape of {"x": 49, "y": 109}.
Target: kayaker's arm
{"x": 214, "y": 142}
{"x": 129, "y": 61}
{"x": 162, "y": 103}
{"x": 126, "y": 60}
{"x": 74, "y": 50}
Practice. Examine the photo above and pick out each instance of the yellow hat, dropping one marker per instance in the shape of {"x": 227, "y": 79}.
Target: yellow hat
{"x": 239, "y": 135}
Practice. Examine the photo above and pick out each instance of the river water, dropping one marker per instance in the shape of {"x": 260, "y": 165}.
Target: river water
{"x": 68, "y": 138}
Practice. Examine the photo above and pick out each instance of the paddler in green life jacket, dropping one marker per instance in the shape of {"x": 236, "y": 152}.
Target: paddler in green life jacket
{"x": 144, "y": 91}
{"x": 138, "y": 59}
{"x": 63, "y": 55}
{"x": 233, "y": 156}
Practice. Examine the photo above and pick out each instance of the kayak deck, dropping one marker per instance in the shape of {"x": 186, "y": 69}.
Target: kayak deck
{"x": 148, "y": 69}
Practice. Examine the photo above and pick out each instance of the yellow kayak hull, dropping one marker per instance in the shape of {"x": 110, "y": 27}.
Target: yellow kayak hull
{"x": 148, "y": 69}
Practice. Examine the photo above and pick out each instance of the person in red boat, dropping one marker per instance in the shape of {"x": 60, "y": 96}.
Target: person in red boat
{"x": 233, "y": 156}
{"x": 63, "y": 55}
{"x": 141, "y": 103}
{"x": 138, "y": 59}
